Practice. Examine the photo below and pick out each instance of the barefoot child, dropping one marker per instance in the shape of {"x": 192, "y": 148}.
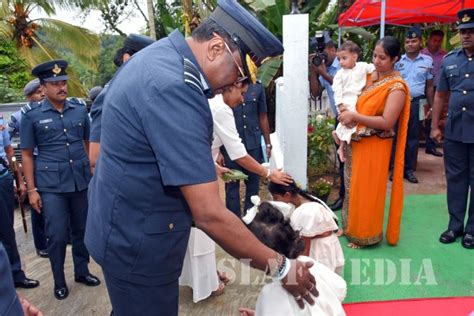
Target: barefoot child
{"x": 347, "y": 85}
{"x": 272, "y": 228}
{"x": 315, "y": 222}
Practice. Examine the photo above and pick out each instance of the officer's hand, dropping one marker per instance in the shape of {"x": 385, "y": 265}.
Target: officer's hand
{"x": 436, "y": 134}
{"x": 35, "y": 201}
{"x": 300, "y": 283}
{"x": 2, "y": 127}
{"x": 220, "y": 159}
{"x": 22, "y": 192}
{"x": 280, "y": 177}
{"x": 246, "y": 311}
{"x": 28, "y": 308}
{"x": 269, "y": 152}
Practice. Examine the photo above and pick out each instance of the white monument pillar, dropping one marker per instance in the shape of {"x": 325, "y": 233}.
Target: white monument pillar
{"x": 292, "y": 97}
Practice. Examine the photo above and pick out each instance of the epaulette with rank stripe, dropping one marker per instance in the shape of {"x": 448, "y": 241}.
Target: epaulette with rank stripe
{"x": 29, "y": 106}
{"x": 77, "y": 101}
{"x": 192, "y": 76}
{"x": 452, "y": 52}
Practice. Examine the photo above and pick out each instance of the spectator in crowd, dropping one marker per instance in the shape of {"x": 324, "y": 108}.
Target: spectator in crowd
{"x": 415, "y": 69}
{"x": 434, "y": 50}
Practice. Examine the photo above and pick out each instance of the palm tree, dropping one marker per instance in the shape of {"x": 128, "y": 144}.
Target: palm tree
{"x": 44, "y": 39}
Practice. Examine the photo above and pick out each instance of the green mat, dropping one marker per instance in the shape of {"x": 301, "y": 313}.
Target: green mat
{"x": 419, "y": 266}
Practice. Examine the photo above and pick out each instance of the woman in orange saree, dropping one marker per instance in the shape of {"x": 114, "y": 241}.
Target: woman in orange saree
{"x": 383, "y": 101}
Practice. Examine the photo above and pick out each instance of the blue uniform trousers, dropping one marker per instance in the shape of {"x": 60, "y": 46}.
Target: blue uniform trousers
{"x": 459, "y": 164}
{"x": 37, "y": 226}
{"x": 232, "y": 189}
{"x": 7, "y": 233}
{"x": 129, "y": 299}
{"x": 9, "y": 303}
{"x": 61, "y": 210}
{"x": 413, "y": 135}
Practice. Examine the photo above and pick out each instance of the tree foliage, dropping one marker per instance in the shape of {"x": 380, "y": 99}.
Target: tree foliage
{"x": 13, "y": 72}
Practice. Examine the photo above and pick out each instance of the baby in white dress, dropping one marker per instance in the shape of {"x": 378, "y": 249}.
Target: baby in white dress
{"x": 273, "y": 229}
{"x": 347, "y": 86}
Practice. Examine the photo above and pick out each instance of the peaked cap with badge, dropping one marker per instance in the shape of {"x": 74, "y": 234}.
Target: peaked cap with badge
{"x": 31, "y": 87}
{"x": 413, "y": 32}
{"x": 466, "y": 19}
{"x": 53, "y": 70}
{"x": 254, "y": 41}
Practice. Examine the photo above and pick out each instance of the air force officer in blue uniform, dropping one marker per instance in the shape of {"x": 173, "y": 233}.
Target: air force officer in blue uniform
{"x": 456, "y": 82}
{"x": 58, "y": 178}
{"x": 251, "y": 121}
{"x": 155, "y": 172}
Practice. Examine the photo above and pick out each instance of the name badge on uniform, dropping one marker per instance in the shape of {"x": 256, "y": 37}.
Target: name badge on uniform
{"x": 451, "y": 67}
{"x": 46, "y": 121}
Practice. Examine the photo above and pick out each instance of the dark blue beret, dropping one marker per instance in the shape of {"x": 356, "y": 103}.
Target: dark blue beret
{"x": 466, "y": 19}
{"x": 250, "y": 35}
{"x": 136, "y": 42}
{"x": 53, "y": 70}
{"x": 31, "y": 87}
{"x": 413, "y": 32}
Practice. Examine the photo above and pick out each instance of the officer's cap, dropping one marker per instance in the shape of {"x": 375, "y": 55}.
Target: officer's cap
{"x": 94, "y": 92}
{"x": 53, "y": 70}
{"x": 413, "y": 32}
{"x": 466, "y": 19}
{"x": 252, "y": 38}
{"x": 31, "y": 87}
{"x": 136, "y": 42}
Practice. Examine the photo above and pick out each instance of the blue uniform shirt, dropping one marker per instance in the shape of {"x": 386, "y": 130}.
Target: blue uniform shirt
{"x": 156, "y": 136}
{"x": 62, "y": 164}
{"x": 96, "y": 115}
{"x": 415, "y": 73}
{"x": 457, "y": 77}
{"x": 14, "y": 124}
{"x": 332, "y": 70}
{"x": 4, "y": 142}
{"x": 247, "y": 116}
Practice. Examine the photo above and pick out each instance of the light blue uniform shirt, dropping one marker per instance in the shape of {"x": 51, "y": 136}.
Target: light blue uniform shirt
{"x": 335, "y": 66}
{"x": 415, "y": 73}
{"x": 4, "y": 142}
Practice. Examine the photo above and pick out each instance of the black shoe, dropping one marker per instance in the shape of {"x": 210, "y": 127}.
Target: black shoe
{"x": 449, "y": 236}
{"x": 42, "y": 253}
{"x": 27, "y": 284}
{"x": 410, "y": 177}
{"x": 61, "y": 292}
{"x": 468, "y": 241}
{"x": 89, "y": 280}
{"x": 434, "y": 152}
{"x": 336, "y": 206}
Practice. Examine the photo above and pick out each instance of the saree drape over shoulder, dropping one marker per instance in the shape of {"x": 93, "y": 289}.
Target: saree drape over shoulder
{"x": 367, "y": 167}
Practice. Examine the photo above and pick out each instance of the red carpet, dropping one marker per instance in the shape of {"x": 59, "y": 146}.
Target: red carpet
{"x": 452, "y": 306}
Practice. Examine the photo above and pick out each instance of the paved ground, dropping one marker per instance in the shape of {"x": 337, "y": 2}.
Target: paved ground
{"x": 94, "y": 301}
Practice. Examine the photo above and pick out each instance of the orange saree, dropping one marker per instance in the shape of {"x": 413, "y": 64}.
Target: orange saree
{"x": 367, "y": 167}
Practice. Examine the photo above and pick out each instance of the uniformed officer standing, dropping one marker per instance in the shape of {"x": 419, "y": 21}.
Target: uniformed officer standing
{"x": 7, "y": 206}
{"x": 434, "y": 50}
{"x": 251, "y": 120}
{"x": 415, "y": 69}
{"x": 156, "y": 173}
{"x": 33, "y": 94}
{"x": 456, "y": 82}
{"x": 132, "y": 45}
{"x": 58, "y": 178}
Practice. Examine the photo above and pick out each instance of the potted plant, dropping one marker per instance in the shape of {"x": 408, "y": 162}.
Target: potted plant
{"x": 321, "y": 188}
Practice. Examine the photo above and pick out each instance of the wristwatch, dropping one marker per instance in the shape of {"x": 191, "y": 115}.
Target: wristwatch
{"x": 269, "y": 146}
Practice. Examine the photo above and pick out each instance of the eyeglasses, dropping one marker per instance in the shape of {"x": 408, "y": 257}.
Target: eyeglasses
{"x": 242, "y": 77}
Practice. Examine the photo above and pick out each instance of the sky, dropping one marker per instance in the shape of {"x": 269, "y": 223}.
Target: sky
{"x": 93, "y": 21}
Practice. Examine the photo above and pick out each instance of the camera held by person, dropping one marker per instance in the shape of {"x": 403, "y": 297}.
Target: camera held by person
{"x": 318, "y": 44}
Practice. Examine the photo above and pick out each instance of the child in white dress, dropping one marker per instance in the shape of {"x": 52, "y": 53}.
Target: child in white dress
{"x": 271, "y": 227}
{"x": 316, "y": 223}
{"x": 347, "y": 86}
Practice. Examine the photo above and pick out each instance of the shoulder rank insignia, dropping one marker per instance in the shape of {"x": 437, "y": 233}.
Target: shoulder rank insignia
{"x": 77, "y": 101}
{"x": 29, "y": 106}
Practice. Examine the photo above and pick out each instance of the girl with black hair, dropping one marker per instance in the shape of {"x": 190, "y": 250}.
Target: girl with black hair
{"x": 267, "y": 222}
{"x": 315, "y": 222}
